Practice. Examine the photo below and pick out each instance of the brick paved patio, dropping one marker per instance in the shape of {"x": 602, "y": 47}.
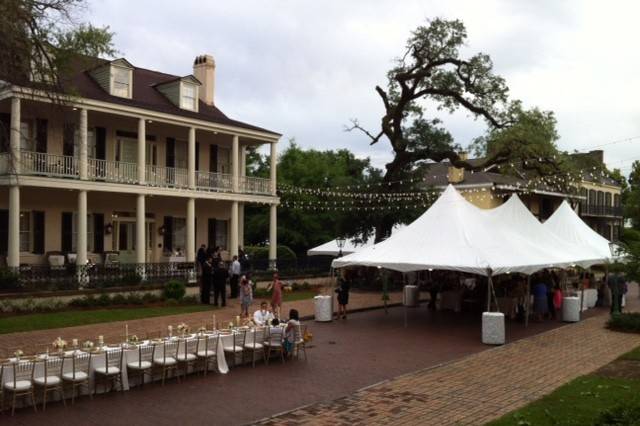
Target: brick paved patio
{"x": 480, "y": 387}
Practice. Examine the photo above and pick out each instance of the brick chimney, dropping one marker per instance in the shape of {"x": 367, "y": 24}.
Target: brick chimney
{"x": 204, "y": 69}
{"x": 454, "y": 174}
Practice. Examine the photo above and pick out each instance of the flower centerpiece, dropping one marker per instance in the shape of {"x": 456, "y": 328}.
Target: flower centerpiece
{"x": 202, "y": 330}
{"x": 59, "y": 344}
{"x": 18, "y": 353}
{"x": 88, "y": 345}
{"x": 133, "y": 339}
{"x": 182, "y": 329}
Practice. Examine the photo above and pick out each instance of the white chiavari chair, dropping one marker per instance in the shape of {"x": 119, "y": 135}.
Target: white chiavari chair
{"x": 78, "y": 376}
{"x": 275, "y": 342}
{"x": 21, "y": 384}
{"x": 236, "y": 346}
{"x": 254, "y": 344}
{"x": 187, "y": 356}
{"x": 165, "y": 358}
{"x": 51, "y": 379}
{"x": 207, "y": 350}
{"x": 111, "y": 373}
{"x": 143, "y": 365}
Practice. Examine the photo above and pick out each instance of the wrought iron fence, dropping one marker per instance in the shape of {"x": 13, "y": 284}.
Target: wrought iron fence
{"x": 599, "y": 210}
{"x": 35, "y": 278}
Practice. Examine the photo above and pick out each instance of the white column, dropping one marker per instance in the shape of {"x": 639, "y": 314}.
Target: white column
{"x": 141, "y": 229}
{"x": 14, "y": 135}
{"x": 81, "y": 236}
{"x": 273, "y": 236}
{"x": 142, "y": 151}
{"x": 191, "y": 230}
{"x": 13, "y": 246}
{"x": 191, "y": 158}
{"x": 243, "y": 161}
{"x": 233, "y": 250}
{"x": 234, "y": 163}
{"x": 84, "y": 150}
{"x": 241, "y": 225}
{"x": 273, "y": 163}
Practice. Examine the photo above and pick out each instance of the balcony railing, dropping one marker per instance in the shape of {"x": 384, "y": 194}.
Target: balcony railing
{"x": 596, "y": 210}
{"x": 113, "y": 171}
{"x": 254, "y": 185}
{"x": 39, "y": 163}
{"x": 166, "y": 177}
{"x": 67, "y": 166}
{"x": 209, "y": 181}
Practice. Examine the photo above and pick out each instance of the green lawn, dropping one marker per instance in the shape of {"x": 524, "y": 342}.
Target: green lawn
{"x": 72, "y": 318}
{"x": 579, "y": 402}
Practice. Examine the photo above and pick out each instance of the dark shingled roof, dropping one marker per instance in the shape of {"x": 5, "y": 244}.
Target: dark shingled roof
{"x": 145, "y": 94}
{"x": 436, "y": 175}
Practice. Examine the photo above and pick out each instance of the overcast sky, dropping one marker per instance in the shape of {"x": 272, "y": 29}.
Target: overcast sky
{"x": 305, "y": 68}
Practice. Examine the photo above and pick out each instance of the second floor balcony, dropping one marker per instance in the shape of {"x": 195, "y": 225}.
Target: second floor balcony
{"x": 63, "y": 166}
{"x": 587, "y": 209}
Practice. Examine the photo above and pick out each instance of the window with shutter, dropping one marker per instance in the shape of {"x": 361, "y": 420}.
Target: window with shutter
{"x": 38, "y": 232}
{"x": 67, "y": 232}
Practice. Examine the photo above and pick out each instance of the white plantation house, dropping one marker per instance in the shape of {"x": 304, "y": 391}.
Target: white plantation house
{"x": 133, "y": 167}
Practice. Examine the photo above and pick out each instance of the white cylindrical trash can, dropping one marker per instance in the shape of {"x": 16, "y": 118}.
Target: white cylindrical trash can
{"x": 571, "y": 309}
{"x": 410, "y": 296}
{"x": 493, "y": 328}
{"x": 323, "y": 308}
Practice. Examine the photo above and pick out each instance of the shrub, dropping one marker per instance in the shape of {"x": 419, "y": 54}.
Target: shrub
{"x": 118, "y": 299}
{"x": 627, "y": 322}
{"x": 259, "y": 255}
{"x": 171, "y": 302}
{"x": 190, "y": 300}
{"x": 620, "y": 415}
{"x": 9, "y": 280}
{"x": 103, "y": 300}
{"x": 134, "y": 299}
{"x": 150, "y": 298}
{"x": 174, "y": 290}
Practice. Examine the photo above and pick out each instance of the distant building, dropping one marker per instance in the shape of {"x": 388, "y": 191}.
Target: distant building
{"x": 600, "y": 204}
{"x": 598, "y": 199}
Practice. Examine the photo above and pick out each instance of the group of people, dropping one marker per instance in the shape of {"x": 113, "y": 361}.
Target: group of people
{"x": 214, "y": 274}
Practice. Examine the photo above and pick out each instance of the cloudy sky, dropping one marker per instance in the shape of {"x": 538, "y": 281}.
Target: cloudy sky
{"x": 305, "y": 68}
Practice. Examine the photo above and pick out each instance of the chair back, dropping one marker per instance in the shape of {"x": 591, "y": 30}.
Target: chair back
{"x": 239, "y": 337}
{"x": 208, "y": 343}
{"x": 299, "y": 331}
{"x": 113, "y": 358}
{"x": 189, "y": 346}
{"x": 80, "y": 363}
{"x": 22, "y": 370}
{"x": 259, "y": 336}
{"x": 145, "y": 353}
{"x": 169, "y": 350}
{"x": 52, "y": 367}
{"x": 275, "y": 335}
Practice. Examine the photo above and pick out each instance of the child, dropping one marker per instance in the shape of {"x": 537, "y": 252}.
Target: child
{"x": 557, "y": 300}
{"x": 246, "y": 296}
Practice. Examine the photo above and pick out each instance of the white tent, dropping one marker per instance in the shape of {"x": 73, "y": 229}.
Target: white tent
{"x": 331, "y": 248}
{"x": 566, "y": 224}
{"x": 454, "y": 235}
{"x": 350, "y": 245}
{"x": 517, "y": 218}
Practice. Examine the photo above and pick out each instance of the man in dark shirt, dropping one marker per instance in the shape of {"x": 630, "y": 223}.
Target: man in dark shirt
{"x": 220, "y": 275}
{"x": 206, "y": 280}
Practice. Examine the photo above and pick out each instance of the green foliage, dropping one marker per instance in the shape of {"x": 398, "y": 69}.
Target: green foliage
{"x": 579, "y": 402}
{"x": 620, "y": 415}
{"x": 8, "y": 280}
{"x": 302, "y": 229}
{"x": 39, "y": 41}
{"x": 261, "y": 253}
{"x": 627, "y": 322}
{"x": 174, "y": 290}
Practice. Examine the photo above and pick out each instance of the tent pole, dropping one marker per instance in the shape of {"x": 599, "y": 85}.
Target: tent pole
{"x": 581, "y": 287}
{"x": 489, "y": 285}
{"x": 527, "y": 301}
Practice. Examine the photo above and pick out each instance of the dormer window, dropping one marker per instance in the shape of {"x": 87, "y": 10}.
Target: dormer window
{"x": 182, "y": 92}
{"x": 115, "y": 77}
{"x": 121, "y": 83}
{"x": 188, "y": 96}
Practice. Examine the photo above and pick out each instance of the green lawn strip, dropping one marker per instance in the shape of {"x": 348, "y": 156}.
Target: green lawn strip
{"x": 634, "y": 355}
{"x": 579, "y": 402}
{"x": 299, "y": 295}
{"x": 46, "y": 321}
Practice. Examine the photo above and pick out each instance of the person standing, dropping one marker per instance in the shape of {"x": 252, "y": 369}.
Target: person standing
{"x": 235, "y": 277}
{"x": 206, "y": 279}
{"x": 617, "y": 286}
{"x": 343, "y": 298}
{"x": 201, "y": 256}
{"x": 276, "y": 294}
{"x": 220, "y": 275}
{"x": 246, "y": 296}
{"x": 540, "y": 303}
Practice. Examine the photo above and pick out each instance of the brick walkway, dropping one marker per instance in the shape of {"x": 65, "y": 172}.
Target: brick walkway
{"x": 114, "y": 331}
{"x": 478, "y": 388}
